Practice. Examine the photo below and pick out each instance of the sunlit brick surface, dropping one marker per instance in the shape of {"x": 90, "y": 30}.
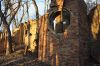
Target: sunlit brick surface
{"x": 70, "y": 47}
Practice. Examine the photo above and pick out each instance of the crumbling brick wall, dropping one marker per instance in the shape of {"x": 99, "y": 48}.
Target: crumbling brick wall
{"x": 3, "y": 41}
{"x": 68, "y": 48}
{"x": 20, "y": 35}
{"x": 94, "y": 23}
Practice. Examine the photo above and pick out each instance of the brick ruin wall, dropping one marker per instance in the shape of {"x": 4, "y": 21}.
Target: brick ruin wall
{"x": 70, "y": 47}
{"x": 20, "y": 36}
{"x": 94, "y": 23}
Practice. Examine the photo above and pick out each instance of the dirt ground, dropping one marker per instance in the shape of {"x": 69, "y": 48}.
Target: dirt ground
{"x": 18, "y": 58}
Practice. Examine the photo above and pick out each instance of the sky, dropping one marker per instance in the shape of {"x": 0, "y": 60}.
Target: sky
{"x": 41, "y": 6}
{"x": 32, "y": 14}
{"x": 91, "y": 0}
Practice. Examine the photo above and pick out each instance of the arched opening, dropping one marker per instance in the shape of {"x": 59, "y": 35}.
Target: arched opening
{"x": 59, "y": 21}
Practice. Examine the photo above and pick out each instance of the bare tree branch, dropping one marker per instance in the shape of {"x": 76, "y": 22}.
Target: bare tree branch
{"x": 37, "y": 14}
{"x": 15, "y": 12}
{"x": 22, "y": 15}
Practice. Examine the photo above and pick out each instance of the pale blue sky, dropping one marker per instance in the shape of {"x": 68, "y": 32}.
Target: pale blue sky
{"x": 32, "y": 14}
{"x": 41, "y": 6}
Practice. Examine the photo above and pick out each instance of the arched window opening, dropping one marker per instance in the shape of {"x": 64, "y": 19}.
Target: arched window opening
{"x": 59, "y": 21}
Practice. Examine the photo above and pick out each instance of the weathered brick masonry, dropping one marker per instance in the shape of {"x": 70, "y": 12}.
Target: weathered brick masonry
{"x": 94, "y": 23}
{"x": 68, "y": 48}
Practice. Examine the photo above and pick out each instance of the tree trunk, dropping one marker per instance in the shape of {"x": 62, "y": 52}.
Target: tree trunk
{"x": 37, "y": 28}
{"x": 7, "y": 23}
{"x": 9, "y": 39}
{"x": 37, "y": 14}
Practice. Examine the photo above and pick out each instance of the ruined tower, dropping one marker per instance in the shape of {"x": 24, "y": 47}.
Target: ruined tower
{"x": 63, "y": 36}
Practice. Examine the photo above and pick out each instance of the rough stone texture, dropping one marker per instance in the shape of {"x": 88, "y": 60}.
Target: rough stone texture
{"x": 19, "y": 37}
{"x": 32, "y": 36}
{"x": 3, "y": 41}
{"x": 94, "y": 22}
{"x": 70, "y": 47}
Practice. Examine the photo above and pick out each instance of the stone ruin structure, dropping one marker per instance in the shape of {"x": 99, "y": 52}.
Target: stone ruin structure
{"x": 3, "y": 41}
{"x": 94, "y": 42}
{"x": 63, "y": 35}
{"x": 20, "y": 37}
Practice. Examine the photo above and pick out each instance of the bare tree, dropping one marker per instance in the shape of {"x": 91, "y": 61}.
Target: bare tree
{"x": 22, "y": 14}
{"x": 3, "y": 15}
{"x": 37, "y": 13}
{"x": 37, "y": 21}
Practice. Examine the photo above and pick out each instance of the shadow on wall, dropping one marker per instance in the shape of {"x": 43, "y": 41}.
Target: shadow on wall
{"x": 94, "y": 26}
